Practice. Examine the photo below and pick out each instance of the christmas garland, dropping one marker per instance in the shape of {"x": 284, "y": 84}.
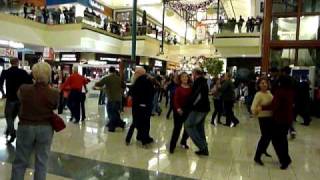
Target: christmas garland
{"x": 180, "y": 5}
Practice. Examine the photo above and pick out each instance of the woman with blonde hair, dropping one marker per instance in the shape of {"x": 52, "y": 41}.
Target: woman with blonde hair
{"x": 35, "y": 132}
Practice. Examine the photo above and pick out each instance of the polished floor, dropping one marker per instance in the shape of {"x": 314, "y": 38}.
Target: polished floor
{"x": 89, "y": 151}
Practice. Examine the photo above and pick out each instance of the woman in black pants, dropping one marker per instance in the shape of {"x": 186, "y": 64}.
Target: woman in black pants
{"x": 180, "y": 98}
{"x": 218, "y": 104}
{"x": 263, "y": 98}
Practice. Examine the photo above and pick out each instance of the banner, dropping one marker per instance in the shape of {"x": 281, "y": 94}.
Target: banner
{"x": 201, "y": 31}
{"x": 48, "y": 53}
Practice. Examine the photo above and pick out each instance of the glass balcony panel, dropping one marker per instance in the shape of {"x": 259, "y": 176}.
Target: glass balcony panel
{"x": 284, "y": 6}
{"x": 309, "y": 28}
{"x": 282, "y": 57}
{"x": 311, "y": 6}
{"x": 284, "y": 28}
{"x": 309, "y": 57}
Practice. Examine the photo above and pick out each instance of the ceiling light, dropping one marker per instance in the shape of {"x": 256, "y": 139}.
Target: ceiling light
{"x": 4, "y": 42}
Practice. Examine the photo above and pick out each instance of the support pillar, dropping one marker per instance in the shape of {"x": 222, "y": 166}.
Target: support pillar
{"x": 134, "y": 32}
{"x": 162, "y": 34}
{"x": 266, "y": 36}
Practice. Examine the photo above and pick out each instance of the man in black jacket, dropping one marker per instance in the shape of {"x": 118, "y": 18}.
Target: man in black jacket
{"x": 14, "y": 78}
{"x": 142, "y": 94}
{"x": 199, "y": 107}
{"x": 228, "y": 97}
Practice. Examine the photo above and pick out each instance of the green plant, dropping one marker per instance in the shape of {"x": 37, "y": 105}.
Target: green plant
{"x": 213, "y": 66}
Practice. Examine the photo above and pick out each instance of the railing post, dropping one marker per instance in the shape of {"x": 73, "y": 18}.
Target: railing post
{"x": 134, "y": 31}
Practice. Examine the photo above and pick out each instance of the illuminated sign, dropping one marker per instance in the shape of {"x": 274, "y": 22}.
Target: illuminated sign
{"x": 108, "y": 59}
{"x": 96, "y": 5}
{"x": 69, "y": 57}
{"x": 158, "y": 63}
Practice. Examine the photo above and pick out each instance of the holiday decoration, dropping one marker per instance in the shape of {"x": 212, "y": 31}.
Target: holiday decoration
{"x": 191, "y": 5}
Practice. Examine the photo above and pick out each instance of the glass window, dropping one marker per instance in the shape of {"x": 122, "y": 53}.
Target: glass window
{"x": 311, "y": 6}
{"x": 309, "y": 28}
{"x": 282, "y": 57}
{"x": 284, "y": 28}
{"x": 309, "y": 57}
{"x": 279, "y": 6}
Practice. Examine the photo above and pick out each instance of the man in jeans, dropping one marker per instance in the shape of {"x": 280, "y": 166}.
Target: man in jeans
{"x": 113, "y": 89}
{"x": 199, "y": 107}
{"x": 14, "y": 78}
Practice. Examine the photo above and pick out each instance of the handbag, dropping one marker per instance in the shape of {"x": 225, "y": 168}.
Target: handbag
{"x": 56, "y": 121}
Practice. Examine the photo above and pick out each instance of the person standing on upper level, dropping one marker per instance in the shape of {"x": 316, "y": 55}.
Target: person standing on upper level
{"x": 240, "y": 24}
{"x": 14, "y": 78}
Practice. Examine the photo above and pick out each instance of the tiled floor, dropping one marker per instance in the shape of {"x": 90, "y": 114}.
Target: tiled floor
{"x": 88, "y": 151}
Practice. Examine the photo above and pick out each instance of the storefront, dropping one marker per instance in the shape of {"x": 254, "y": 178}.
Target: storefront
{"x": 67, "y": 60}
{"x": 120, "y": 62}
{"x": 172, "y": 67}
{"x": 158, "y": 66}
{"x": 90, "y": 12}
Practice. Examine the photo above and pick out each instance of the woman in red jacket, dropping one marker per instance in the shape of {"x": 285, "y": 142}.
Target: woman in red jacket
{"x": 180, "y": 98}
{"x": 282, "y": 108}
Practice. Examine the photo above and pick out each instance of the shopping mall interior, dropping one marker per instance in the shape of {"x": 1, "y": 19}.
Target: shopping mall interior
{"x": 243, "y": 49}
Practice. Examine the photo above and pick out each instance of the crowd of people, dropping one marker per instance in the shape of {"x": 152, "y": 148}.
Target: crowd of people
{"x": 49, "y": 16}
{"x": 252, "y": 24}
{"x": 33, "y": 99}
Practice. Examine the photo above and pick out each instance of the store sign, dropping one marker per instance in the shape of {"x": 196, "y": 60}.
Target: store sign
{"x": 108, "y": 59}
{"x": 69, "y": 57}
{"x": 8, "y": 52}
{"x": 158, "y": 63}
{"x": 96, "y": 5}
{"x": 11, "y": 44}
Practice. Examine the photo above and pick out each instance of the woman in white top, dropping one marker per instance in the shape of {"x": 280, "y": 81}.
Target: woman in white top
{"x": 262, "y": 98}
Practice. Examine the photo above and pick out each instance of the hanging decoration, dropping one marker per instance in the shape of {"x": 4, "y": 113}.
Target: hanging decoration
{"x": 170, "y": 13}
{"x": 201, "y": 31}
{"x": 194, "y": 5}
